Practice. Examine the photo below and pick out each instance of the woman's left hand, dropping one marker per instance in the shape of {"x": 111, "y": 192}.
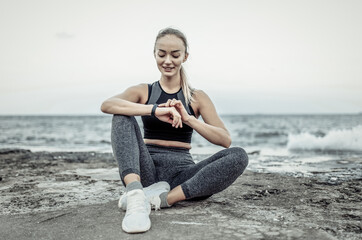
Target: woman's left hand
{"x": 179, "y": 107}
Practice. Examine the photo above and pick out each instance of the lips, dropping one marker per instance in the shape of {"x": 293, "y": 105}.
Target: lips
{"x": 168, "y": 69}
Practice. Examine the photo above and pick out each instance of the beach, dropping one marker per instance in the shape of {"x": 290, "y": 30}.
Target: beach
{"x": 74, "y": 195}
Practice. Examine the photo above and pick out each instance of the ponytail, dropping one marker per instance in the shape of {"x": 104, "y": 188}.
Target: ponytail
{"x": 186, "y": 88}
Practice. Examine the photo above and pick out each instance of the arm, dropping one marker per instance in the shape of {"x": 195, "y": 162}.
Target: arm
{"x": 212, "y": 129}
{"x": 132, "y": 103}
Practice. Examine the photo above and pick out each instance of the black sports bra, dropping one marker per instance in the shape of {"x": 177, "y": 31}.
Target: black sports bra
{"x": 156, "y": 129}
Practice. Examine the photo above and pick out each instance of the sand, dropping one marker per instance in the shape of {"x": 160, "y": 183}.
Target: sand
{"x": 73, "y": 195}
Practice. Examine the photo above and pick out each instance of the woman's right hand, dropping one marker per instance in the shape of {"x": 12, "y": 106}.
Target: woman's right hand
{"x": 169, "y": 115}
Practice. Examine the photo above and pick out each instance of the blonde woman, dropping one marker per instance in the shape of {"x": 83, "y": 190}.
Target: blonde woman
{"x": 157, "y": 169}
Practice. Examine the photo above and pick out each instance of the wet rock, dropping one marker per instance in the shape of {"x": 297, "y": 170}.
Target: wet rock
{"x": 13, "y": 151}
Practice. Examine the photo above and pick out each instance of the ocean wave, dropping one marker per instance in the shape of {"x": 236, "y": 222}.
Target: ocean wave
{"x": 340, "y": 140}
{"x": 269, "y": 134}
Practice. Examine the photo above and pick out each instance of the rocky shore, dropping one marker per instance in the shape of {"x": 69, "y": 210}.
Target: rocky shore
{"x": 73, "y": 195}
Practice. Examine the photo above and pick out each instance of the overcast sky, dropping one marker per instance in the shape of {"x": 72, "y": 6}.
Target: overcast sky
{"x": 273, "y": 56}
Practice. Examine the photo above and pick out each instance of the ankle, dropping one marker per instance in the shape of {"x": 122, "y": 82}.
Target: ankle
{"x": 131, "y": 177}
{"x": 134, "y": 185}
{"x": 164, "y": 203}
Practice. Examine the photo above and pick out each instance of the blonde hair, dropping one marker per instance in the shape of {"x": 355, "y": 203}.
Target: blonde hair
{"x": 185, "y": 85}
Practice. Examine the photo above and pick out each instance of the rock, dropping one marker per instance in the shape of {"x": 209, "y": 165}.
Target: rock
{"x": 52, "y": 199}
{"x": 13, "y": 150}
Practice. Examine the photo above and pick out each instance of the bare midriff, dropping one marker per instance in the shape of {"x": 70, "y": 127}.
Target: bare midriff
{"x": 167, "y": 143}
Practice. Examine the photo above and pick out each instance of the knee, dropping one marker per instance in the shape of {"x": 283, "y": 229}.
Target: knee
{"x": 121, "y": 123}
{"x": 122, "y": 120}
{"x": 240, "y": 158}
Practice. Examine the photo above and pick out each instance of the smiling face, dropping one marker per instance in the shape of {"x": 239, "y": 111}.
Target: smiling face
{"x": 170, "y": 53}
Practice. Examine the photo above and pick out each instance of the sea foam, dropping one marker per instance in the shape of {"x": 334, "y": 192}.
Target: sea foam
{"x": 341, "y": 140}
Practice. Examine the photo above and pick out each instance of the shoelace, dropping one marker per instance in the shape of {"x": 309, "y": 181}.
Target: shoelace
{"x": 138, "y": 204}
{"x": 155, "y": 202}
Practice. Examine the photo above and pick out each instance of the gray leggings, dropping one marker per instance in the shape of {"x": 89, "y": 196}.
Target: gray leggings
{"x": 174, "y": 165}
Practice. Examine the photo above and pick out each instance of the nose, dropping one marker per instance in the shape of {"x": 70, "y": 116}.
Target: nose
{"x": 168, "y": 59}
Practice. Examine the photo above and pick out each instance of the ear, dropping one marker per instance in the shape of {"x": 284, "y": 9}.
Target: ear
{"x": 185, "y": 58}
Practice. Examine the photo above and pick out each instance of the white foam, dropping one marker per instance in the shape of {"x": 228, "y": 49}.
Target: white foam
{"x": 344, "y": 139}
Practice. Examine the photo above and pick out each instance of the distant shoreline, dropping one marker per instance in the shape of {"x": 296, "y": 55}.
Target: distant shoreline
{"x": 222, "y": 114}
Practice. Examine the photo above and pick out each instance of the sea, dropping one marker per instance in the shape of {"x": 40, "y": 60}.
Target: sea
{"x": 328, "y": 147}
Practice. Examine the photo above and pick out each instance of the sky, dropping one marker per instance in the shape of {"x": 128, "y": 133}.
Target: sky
{"x": 250, "y": 57}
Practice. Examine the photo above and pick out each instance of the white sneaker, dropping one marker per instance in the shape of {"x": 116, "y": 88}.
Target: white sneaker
{"x": 152, "y": 193}
{"x": 137, "y": 217}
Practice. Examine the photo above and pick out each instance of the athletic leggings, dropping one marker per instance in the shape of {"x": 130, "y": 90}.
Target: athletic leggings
{"x": 174, "y": 165}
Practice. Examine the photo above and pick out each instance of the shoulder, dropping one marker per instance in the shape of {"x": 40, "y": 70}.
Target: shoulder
{"x": 138, "y": 87}
{"x": 206, "y": 109}
{"x": 200, "y": 97}
{"x": 201, "y": 101}
{"x": 142, "y": 91}
{"x": 137, "y": 93}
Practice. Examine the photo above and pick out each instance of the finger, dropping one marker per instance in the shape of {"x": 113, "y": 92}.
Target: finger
{"x": 168, "y": 102}
{"x": 162, "y": 105}
{"x": 177, "y": 103}
{"x": 179, "y": 123}
{"x": 176, "y": 119}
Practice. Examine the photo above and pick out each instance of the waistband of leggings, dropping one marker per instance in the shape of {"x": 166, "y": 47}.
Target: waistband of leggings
{"x": 165, "y": 148}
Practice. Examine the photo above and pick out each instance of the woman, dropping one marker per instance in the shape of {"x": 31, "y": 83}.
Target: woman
{"x": 161, "y": 161}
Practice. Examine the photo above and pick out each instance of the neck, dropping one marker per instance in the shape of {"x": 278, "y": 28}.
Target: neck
{"x": 171, "y": 83}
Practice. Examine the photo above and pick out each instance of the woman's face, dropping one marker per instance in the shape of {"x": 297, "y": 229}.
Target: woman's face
{"x": 170, "y": 54}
